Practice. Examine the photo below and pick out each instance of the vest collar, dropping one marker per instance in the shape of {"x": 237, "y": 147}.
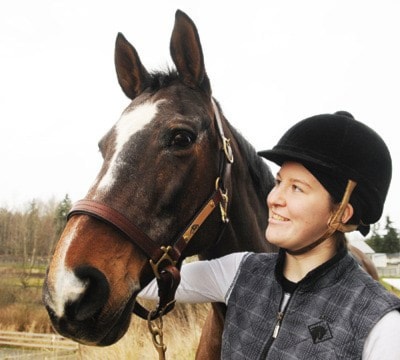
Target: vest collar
{"x": 341, "y": 260}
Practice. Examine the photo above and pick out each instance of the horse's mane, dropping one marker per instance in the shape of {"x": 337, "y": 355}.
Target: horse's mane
{"x": 258, "y": 168}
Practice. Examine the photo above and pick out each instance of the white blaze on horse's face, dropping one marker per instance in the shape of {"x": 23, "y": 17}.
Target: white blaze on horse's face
{"x": 67, "y": 286}
{"x": 131, "y": 121}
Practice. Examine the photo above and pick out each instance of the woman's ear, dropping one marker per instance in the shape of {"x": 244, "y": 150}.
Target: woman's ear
{"x": 347, "y": 213}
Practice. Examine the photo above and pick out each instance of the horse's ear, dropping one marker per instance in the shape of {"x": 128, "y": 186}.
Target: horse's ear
{"x": 187, "y": 54}
{"x": 131, "y": 74}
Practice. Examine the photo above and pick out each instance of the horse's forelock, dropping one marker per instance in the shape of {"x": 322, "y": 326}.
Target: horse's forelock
{"x": 158, "y": 80}
{"x": 162, "y": 79}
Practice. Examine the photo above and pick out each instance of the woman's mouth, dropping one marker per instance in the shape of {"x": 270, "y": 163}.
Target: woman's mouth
{"x": 278, "y": 217}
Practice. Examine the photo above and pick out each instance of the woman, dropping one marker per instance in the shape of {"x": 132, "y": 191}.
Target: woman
{"x": 311, "y": 300}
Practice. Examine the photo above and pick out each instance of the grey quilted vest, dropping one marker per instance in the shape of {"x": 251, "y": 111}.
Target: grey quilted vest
{"x": 329, "y": 315}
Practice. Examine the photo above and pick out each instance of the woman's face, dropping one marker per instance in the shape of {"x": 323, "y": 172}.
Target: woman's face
{"x": 299, "y": 208}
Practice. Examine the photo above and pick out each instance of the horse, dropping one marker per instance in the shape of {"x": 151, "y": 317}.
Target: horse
{"x": 170, "y": 152}
{"x": 177, "y": 180}
{"x": 364, "y": 261}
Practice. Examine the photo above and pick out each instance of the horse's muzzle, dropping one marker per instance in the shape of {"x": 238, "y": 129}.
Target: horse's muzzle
{"x": 83, "y": 319}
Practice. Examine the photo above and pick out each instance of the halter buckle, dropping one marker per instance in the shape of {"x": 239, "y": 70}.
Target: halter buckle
{"x": 227, "y": 149}
{"x": 165, "y": 257}
{"x": 223, "y": 206}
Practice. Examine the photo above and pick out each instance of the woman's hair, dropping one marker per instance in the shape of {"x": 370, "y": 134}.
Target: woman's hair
{"x": 340, "y": 240}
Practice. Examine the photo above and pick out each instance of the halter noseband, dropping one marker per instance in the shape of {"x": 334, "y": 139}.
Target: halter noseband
{"x": 164, "y": 259}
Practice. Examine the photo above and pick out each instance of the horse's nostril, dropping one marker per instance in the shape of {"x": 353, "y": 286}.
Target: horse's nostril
{"x": 94, "y": 297}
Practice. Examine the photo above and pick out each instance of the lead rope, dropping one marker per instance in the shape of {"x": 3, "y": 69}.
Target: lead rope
{"x": 155, "y": 325}
{"x": 157, "y": 335}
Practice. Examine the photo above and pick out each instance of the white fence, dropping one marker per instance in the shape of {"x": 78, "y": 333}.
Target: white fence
{"x": 389, "y": 271}
{"x": 50, "y": 345}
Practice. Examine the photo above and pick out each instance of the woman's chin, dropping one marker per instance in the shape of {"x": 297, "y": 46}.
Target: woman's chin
{"x": 275, "y": 236}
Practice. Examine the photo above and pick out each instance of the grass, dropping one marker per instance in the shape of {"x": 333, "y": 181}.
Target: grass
{"x": 182, "y": 329}
{"x": 390, "y": 288}
{"x": 21, "y": 309}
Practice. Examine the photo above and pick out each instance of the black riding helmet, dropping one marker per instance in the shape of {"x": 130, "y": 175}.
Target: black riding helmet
{"x": 336, "y": 148}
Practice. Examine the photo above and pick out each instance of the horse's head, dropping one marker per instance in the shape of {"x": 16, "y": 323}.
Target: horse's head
{"x": 161, "y": 162}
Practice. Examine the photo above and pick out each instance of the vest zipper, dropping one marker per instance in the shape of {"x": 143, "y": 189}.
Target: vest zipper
{"x": 277, "y": 325}
{"x": 275, "y": 332}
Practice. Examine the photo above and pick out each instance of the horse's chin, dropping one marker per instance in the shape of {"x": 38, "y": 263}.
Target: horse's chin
{"x": 115, "y": 333}
{"x": 98, "y": 331}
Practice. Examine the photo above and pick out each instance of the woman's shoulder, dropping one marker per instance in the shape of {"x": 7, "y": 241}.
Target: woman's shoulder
{"x": 371, "y": 288}
{"x": 259, "y": 261}
{"x": 260, "y": 257}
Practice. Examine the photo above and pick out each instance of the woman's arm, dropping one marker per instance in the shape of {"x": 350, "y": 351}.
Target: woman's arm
{"x": 383, "y": 342}
{"x": 202, "y": 281}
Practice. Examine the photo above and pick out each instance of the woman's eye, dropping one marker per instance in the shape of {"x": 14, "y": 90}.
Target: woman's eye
{"x": 182, "y": 139}
{"x": 297, "y": 188}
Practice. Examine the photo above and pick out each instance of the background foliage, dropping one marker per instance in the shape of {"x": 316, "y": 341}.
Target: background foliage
{"x": 388, "y": 241}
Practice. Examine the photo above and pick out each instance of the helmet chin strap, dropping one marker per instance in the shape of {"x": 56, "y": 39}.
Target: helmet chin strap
{"x": 334, "y": 222}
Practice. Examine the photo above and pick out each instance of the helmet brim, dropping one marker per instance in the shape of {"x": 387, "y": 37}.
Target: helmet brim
{"x": 279, "y": 156}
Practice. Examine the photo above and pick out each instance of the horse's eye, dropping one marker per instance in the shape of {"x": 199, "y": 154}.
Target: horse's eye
{"x": 182, "y": 139}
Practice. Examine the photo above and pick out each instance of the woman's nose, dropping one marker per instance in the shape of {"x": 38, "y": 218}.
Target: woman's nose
{"x": 276, "y": 197}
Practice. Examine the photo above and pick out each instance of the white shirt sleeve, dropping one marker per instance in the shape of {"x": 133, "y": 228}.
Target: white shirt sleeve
{"x": 202, "y": 281}
{"x": 383, "y": 342}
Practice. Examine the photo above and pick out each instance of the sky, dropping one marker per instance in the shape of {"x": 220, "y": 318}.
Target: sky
{"x": 271, "y": 64}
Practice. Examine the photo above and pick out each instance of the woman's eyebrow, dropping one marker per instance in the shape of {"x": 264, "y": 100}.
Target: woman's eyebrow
{"x": 294, "y": 180}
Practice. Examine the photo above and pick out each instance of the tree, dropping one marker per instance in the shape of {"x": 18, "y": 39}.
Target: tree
{"x": 376, "y": 241}
{"x": 29, "y": 242}
{"x": 61, "y": 214}
{"x": 388, "y": 243}
{"x": 28, "y": 235}
{"x": 12, "y": 229}
{"x": 391, "y": 239}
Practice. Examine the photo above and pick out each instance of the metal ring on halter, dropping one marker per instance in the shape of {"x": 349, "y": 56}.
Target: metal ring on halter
{"x": 228, "y": 149}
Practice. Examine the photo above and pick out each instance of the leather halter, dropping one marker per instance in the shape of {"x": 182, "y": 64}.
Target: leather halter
{"x": 165, "y": 259}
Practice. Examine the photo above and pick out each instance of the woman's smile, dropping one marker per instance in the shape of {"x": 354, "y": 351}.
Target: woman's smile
{"x": 275, "y": 216}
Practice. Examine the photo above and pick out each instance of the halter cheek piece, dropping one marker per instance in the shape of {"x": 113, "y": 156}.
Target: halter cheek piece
{"x": 334, "y": 222}
{"x": 164, "y": 260}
